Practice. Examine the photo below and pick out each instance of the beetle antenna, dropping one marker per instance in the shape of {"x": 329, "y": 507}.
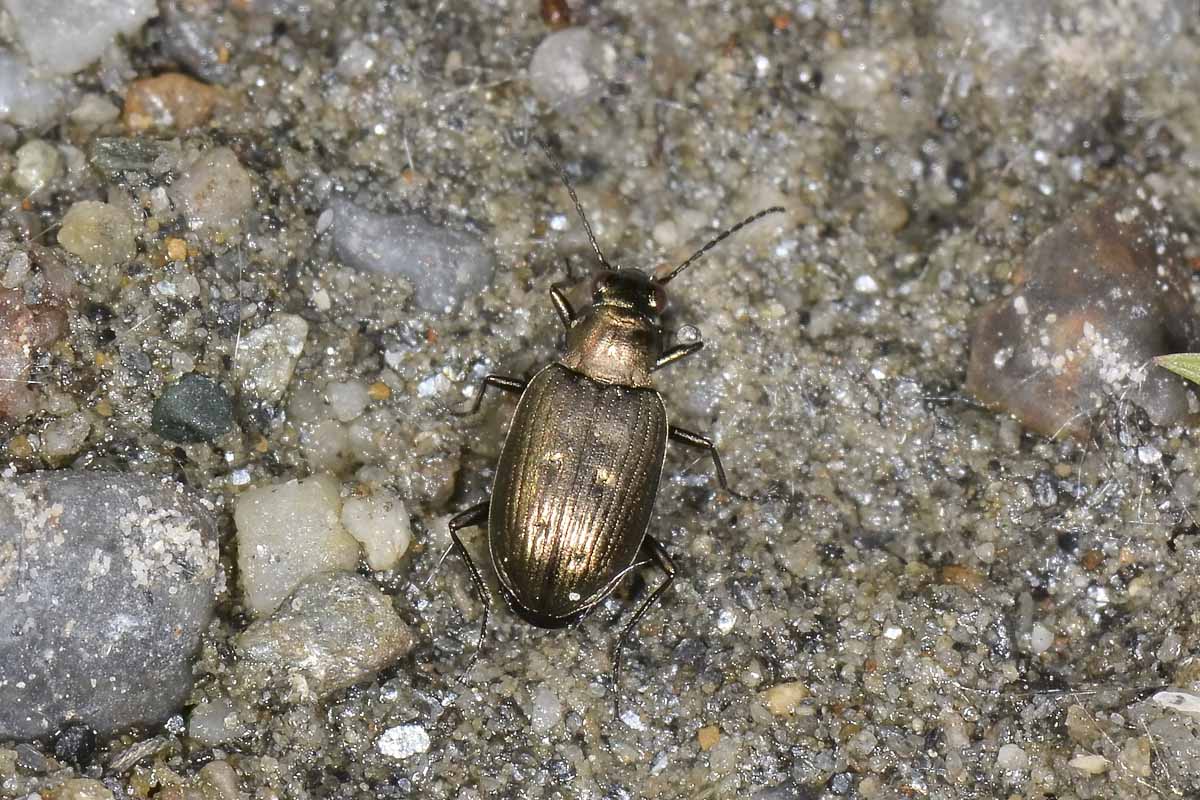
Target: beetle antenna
{"x": 562, "y": 173}
{"x": 720, "y": 238}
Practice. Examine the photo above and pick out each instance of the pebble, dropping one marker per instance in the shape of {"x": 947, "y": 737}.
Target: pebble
{"x": 444, "y": 266}
{"x": 26, "y": 99}
{"x": 94, "y": 110}
{"x": 403, "y": 741}
{"x": 64, "y": 36}
{"x": 708, "y": 736}
{"x": 356, "y": 60}
{"x": 335, "y": 630}
{"x": 214, "y": 722}
{"x": 1040, "y": 639}
{"x": 214, "y": 191}
{"x": 38, "y": 163}
{"x": 65, "y": 437}
{"x": 168, "y": 101}
{"x": 381, "y": 524}
{"x": 287, "y": 533}
{"x": 546, "y": 711}
{"x": 1096, "y": 298}
{"x": 267, "y": 356}
{"x": 194, "y": 409}
{"x": 347, "y": 400}
{"x": 1011, "y": 756}
{"x": 1089, "y": 764}
{"x": 106, "y": 584}
{"x": 99, "y": 233}
{"x": 82, "y": 789}
{"x": 22, "y": 329}
{"x": 783, "y": 699}
{"x": 569, "y": 67}
{"x": 113, "y": 156}
{"x": 193, "y": 38}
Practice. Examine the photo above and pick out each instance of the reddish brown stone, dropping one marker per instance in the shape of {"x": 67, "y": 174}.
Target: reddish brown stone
{"x": 168, "y": 101}
{"x": 1095, "y": 299}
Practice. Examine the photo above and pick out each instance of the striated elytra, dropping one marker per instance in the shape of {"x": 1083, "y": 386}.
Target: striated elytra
{"x": 580, "y": 467}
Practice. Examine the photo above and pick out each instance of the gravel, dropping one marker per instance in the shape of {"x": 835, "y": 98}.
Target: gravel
{"x": 195, "y": 409}
{"x": 64, "y": 36}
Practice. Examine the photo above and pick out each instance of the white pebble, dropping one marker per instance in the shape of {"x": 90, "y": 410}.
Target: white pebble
{"x": 286, "y": 533}
{"x": 347, "y": 400}
{"x": 17, "y": 271}
{"x": 94, "y": 110}
{"x": 866, "y": 284}
{"x": 38, "y": 163}
{"x": 381, "y": 524}
{"x": 214, "y": 192}
{"x": 568, "y": 66}
{"x": 546, "y": 711}
{"x": 1089, "y": 764}
{"x": 1011, "y": 756}
{"x": 1040, "y": 639}
{"x": 403, "y": 741}
{"x": 64, "y": 36}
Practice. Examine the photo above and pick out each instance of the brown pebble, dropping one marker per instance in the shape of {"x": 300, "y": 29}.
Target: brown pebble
{"x": 1095, "y": 298}
{"x": 963, "y": 577}
{"x": 379, "y": 391}
{"x": 556, "y": 14}
{"x": 168, "y": 101}
{"x": 176, "y": 249}
{"x": 1091, "y": 560}
{"x": 708, "y": 736}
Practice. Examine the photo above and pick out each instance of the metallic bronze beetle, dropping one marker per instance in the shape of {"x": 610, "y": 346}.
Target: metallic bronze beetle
{"x": 580, "y": 466}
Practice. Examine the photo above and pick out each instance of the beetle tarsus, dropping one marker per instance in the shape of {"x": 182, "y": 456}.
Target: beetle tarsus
{"x": 475, "y": 515}
{"x": 696, "y": 440}
{"x": 502, "y": 382}
{"x": 677, "y": 353}
{"x": 660, "y": 557}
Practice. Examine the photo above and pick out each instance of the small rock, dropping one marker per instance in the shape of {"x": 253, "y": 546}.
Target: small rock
{"x": 93, "y": 111}
{"x": 403, "y": 741}
{"x": 268, "y": 355}
{"x": 569, "y": 67}
{"x": 347, "y": 400}
{"x": 1011, "y": 756}
{"x": 222, "y": 779}
{"x": 196, "y": 409}
{"x": 192, "y": 37}
{"x": 171, "y": 101}
{"x": 1040, "y": 639}
{"x": 381, "y": 524}
{"x": 64, "y": 36}
{"x": 214, "y": 722}
{"x": 356, "y": 60}
{"x": 38, "y": 163}
{"x": 83, "y": 789}
{"x": 65, "y": 437}
{"x": 1096, "y": 298}
{"x": 113, "y": 156}
{"x": 708, "y": 736}
{"x": 783, "y": 699}
{"x": 214, "y": 191}
{"x": 1135, "y": 756}
{"x": 287, "y": 533}
{"x": 545, "y": 711}
{"x": 335, "y": 630}
{"x": 98, "y": 233}
{"x": 22, "y": 329}
{"x": 106, "y": 583}
{"x": 26, "y": 99}
{"x": 1089, "y": 764}
{"x": 444, "y": 266}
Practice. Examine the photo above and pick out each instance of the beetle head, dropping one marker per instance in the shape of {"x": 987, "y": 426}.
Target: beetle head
{"x": 630, "y": 289}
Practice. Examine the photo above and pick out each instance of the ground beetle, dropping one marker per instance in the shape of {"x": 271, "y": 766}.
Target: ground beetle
{"x": 580, "y": 466}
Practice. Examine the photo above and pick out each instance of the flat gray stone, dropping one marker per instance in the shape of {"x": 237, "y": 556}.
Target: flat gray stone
{"x": 106, "y": 583}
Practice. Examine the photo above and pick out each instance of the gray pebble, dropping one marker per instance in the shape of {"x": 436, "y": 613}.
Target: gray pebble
{"x": 568, "y": 67}
{"x": 335, "y": 630}
{"x": 106, "y": 582}
{"x": 444, "y": 266}
{"x": 196, "y": 409}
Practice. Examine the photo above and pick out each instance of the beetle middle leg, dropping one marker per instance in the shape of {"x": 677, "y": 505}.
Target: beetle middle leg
{"x": 502, "y": 382}
{"x": 475, "y": 515}
{"x": 659, "y": 556}
{"x": 696, "y": 440}
{"x": 677, "y": 353}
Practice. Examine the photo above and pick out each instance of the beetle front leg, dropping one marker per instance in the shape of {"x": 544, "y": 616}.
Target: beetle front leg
{"x": 660, "y": 557}
{"x": 475, "y": 515}
{"x": 696, "y": 440}
{"x": 502, "y": 382}
{"x": 676, "y": 353}
{"x": 562, "y": 306}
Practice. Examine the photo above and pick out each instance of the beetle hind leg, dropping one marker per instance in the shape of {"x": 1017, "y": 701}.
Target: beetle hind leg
{"x": 475, "y": 515}
{"x": 657, "y": 555}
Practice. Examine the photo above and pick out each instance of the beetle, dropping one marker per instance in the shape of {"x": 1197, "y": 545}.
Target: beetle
{"x": 575, "y": 485}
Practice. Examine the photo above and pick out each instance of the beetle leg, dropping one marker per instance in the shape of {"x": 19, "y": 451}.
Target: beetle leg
{"x": 676, "y": 353}
{"x": 475, "y": 515}
{"x": 659, "y": 556}
{"x": 696, "y": 440}
{"x": 562, "y": 306}
{"x": 503, "y": 382}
